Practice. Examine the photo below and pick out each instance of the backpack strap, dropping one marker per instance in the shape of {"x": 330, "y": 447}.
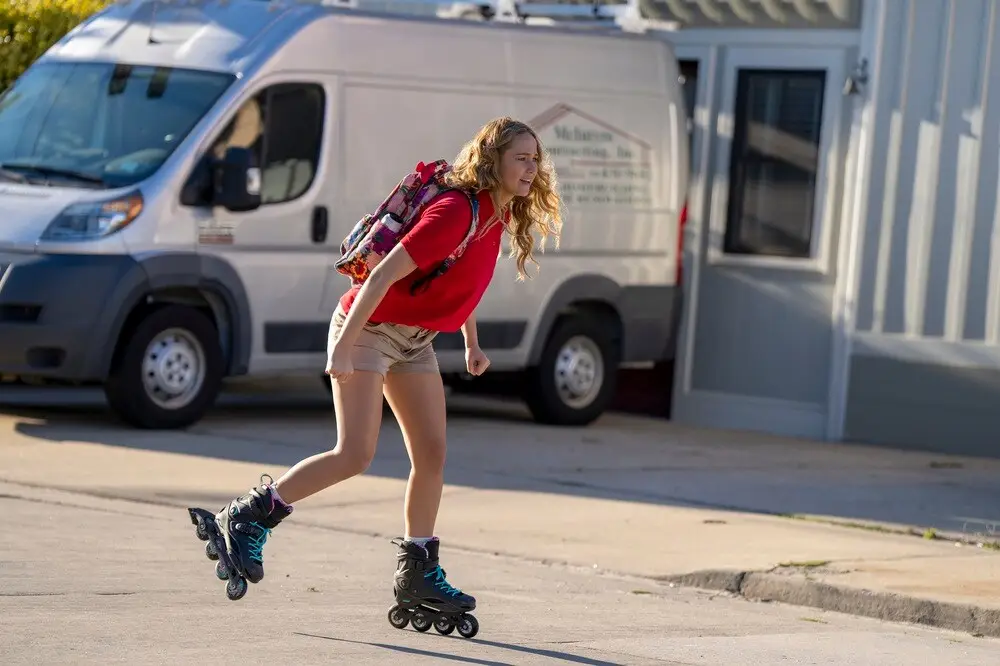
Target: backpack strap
{"x": 421, "y": 285}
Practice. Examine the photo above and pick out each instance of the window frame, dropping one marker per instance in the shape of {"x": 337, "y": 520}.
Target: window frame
{"x": 737, "y": 171}
{"x": 826, "y": 204}
{"x": 265, "y": 87}
{"x": 319, "y": 146}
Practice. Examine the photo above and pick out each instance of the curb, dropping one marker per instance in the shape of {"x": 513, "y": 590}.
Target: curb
{"x": 800, "y": 591}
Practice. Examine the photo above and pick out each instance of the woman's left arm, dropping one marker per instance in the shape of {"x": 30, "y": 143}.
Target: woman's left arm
{"x": 476, "y": 361}
{"x": 470, "y": 333}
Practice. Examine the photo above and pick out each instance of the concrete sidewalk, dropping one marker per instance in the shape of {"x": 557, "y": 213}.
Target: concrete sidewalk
{"x": 629, "y": 495}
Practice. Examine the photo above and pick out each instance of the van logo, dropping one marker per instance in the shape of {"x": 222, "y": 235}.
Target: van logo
{"x": 214, "y": 232}
{"x": 597, "y": 164}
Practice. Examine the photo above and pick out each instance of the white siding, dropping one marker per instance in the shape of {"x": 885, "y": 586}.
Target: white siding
{"x": 930, "y": 235}
{"x": 924, "y": 363}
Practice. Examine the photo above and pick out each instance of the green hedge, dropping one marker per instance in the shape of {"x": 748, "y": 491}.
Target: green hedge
{"x": 29, "y": 27}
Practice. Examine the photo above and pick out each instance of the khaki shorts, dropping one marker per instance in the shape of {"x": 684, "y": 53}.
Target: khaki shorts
{"x": 385, "y": 348}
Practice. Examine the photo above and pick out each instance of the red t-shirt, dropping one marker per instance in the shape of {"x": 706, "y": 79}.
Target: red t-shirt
{"x": 452, "y": 297}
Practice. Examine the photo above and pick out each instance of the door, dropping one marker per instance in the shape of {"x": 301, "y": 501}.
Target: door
{"x": 281, "y": 250}
{"x": 758, "y": 329}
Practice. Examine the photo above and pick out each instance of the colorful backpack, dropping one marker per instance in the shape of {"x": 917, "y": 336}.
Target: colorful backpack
{"x": 375, "y": 234}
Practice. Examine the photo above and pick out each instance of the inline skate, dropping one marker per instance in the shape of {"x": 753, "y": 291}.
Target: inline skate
{"x": 424, "y": 598}
{"x": 235, "y": 536}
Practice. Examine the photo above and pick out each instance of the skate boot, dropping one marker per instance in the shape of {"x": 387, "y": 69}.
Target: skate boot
{"x": 245, "y": 523}
{"x": 424, "y": 597}
{"x": 236, "y": 535}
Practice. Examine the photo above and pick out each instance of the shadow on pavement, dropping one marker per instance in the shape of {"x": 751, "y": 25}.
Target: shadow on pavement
{"x": 561, "y": 656}
{"x": 494, "y": 444}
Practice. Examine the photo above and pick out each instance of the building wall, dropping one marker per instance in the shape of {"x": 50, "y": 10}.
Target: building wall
{"x": 757, "y": 336}
{"x": 924, "y": 367}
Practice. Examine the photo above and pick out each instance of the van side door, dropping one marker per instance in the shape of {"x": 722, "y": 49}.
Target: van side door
{"x": 281, "y": 250}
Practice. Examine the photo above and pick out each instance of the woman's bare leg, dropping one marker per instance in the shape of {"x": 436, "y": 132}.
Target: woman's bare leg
{"x": 418, "y": 401}
{"x": 358, "y": 405}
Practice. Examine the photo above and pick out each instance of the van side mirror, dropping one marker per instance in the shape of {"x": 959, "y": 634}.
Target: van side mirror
{"x": 236, "y": 181}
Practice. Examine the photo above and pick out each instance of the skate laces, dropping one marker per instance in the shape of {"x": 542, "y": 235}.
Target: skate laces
{"x": 437, "y": 575}
{"x": 255, "y": 544}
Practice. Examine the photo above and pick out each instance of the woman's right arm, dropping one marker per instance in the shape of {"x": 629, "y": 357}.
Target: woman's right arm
{"x": 396, "y": 265}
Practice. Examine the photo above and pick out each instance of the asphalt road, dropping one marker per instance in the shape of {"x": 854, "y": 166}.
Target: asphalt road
{"x": 89, "y": 580}
{"x": 105, "y": 572}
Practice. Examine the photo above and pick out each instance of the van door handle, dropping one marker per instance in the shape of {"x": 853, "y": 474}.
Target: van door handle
{"x": 320, "y": 224}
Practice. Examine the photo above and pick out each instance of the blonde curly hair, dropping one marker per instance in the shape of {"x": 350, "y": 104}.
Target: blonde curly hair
{"x": 477, "y": 167}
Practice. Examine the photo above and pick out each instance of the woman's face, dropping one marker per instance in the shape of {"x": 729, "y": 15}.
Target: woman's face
{"x": 518, "y": 166}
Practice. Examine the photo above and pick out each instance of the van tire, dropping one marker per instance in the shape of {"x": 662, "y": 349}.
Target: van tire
{"x": 194, "y": 363}
{"x": 584, "y": 342}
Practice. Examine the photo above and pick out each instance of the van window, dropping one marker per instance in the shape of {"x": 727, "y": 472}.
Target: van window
{"x": 283, "y": 125}
{"x": 113, "y": 125}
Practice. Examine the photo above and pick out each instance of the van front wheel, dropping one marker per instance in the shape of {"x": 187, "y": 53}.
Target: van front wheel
{"x": 576, "y": 377}
{"x": 168, "y": 371}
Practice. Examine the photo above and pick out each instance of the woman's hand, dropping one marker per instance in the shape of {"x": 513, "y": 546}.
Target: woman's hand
{"x": 475, "y": 360}
{"x": 339, "y": 365}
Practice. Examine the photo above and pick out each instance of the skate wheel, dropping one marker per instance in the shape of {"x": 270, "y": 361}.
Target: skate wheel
{"x": 210, "y": 551}
{"x": 398, "y": 617}
{"x": 420, "y": 623}
{"x": 221, "y": 571}
{"x": 444, "y": 627}
{"x": 468, "y": 626}
{"x": 236, "y": 588}
{"x": 201, "y": 531}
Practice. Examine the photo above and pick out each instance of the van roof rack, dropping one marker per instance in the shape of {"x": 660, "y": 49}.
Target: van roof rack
{"x": 625, "y": 14}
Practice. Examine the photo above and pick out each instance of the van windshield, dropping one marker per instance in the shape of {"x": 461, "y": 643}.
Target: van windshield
{"x": 99, "y": 124}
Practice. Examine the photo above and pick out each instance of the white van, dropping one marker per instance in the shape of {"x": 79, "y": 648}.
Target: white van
{"x": 176, "y": 180}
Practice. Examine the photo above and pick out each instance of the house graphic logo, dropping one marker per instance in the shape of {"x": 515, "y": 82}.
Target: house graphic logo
{"x": 596, "y": 163}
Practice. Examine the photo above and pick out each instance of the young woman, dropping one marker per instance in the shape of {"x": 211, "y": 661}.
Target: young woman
{"x": 380, "y": 342}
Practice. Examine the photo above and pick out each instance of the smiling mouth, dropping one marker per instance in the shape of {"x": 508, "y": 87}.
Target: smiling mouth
{"x": 526, "y": 182}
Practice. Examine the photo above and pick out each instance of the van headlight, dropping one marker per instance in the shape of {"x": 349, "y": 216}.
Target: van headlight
{"x": 94, "y": 219}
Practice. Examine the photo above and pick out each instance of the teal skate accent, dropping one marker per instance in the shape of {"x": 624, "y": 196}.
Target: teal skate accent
{"x": 437, "y": 575}
{"x": 255, "y": 545}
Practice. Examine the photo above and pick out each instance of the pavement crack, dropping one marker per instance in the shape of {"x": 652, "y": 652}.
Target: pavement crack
{"x": 513, "y": 557}
{"x": 66, "y": 594}
{"x": 457, "y": 547}
{"x": 626, "y": 493}
{"x": 35, "y": 500}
